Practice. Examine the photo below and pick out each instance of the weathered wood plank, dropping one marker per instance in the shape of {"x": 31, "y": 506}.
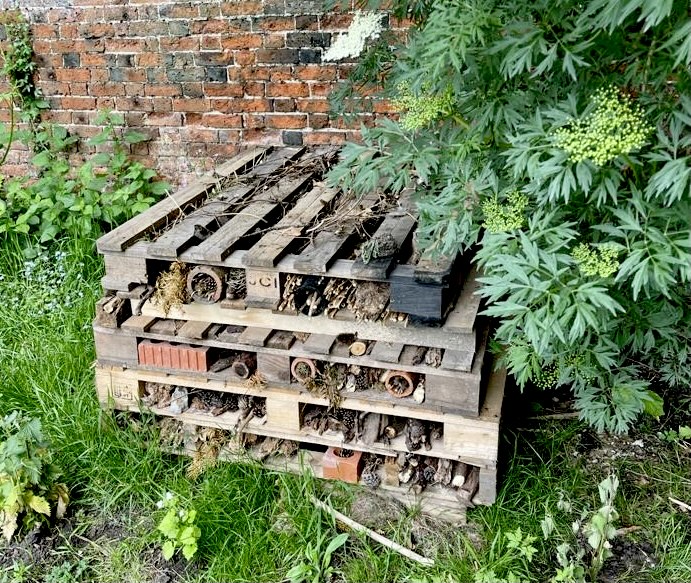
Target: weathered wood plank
{"x": 170, "y": 208}
{"x": 195, "y": 330}
{"x": 273, "y": 245}
{"x": 397, "y": 225}
{"x": 186, "y": 231}
{"x": 412, "y": 297}
{"x": 417, "y": 335}
{"x": 275, "y": 368}
{"x": 220, "y": 244}
{"x": 281, "y": 339}
{"x": 433, "y": 269}
{"x": 319, "y": 343}
{"x": 461, "y": 360}
{"x": 386, "y": 351}
{"x": 139, "y": 323}
{"x": 462, "y": 316}
{"x": 255, "y": 336}
{"x": 322, "y": 250}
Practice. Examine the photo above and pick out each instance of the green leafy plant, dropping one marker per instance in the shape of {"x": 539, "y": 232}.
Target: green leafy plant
{"x": 107, "y": 189}
{"x": 676, "y": 435}
{"x": 29, "y": 491}
{"x": 507, "y": 560}
{"x": 554, "y": 140}
{"x": 315, "y": 566}
{"x": 587, "y": 544}
{"x": 178, "y": 527}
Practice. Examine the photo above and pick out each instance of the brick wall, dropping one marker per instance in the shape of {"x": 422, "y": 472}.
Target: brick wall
{"x": 201, "y": 77}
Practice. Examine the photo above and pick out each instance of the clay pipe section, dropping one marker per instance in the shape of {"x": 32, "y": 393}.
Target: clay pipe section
{"x": 244, "y": 365}
{"x": 303, "y": 369}
{"x": 399, "y": 383}
{"x": 206, "y": 284}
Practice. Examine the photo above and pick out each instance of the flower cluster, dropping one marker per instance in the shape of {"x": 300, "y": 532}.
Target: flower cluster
{"x": 420, "y": 111}
{"x": 617, "y": 126}
{"x": 500, "y": 218}
{"x": 365, "y": 25}
{"x": 601, "y": 261}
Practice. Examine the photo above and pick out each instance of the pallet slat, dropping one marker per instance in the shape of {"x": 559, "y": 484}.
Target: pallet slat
{"x": 272, "y": 246}
{"x": 221, "y": 243}
{"x": 169, "y": 208}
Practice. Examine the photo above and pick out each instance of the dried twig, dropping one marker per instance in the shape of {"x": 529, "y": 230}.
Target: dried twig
{"x": 683, "y": 505}
{"x": 357, "y": 527}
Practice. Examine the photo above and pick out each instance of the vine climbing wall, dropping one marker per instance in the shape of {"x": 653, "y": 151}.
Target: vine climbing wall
{"x": 200, "y": 78}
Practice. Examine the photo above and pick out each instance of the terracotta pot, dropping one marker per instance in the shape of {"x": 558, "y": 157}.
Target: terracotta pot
{"x": 399, "y": 383}
{"x": 303, "y": 369}
{"x": 336, "y": 467}
{"x": 209, "y": 277}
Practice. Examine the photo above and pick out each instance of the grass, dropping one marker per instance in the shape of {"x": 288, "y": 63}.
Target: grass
{"x": 255, "y": 523}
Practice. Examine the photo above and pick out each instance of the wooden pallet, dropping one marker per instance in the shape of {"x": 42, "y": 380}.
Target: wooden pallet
{"x": 436, "y": 501}
{"x": 454, "y": 385}
{"x": 473, "y": 440}
{"x": 267, "y": 213}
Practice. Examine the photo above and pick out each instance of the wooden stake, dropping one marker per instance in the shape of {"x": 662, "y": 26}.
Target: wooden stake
{"x": 357, "y": 527}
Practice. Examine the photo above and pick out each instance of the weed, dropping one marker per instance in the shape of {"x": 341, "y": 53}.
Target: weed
{"x": 591, "y": 536}
{"x": 315, "y": 566}
{"x": 178, "y": 528}
{"x": 28, "y": 481}
{"x": 67, "y": 572}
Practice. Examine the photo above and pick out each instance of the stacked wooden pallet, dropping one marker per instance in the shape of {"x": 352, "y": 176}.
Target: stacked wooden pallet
{"x": 264, "y": 304}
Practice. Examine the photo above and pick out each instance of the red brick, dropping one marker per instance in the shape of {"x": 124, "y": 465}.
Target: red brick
{"x": 274, "y": 41}
{"x": 168, "y": 90}
{"x": 319, "y": 138}
{"x": 320, "y": 89}
{"x": 316, "y": 73}
{"x": 281, "y": 74}
{"x": 148, "y": 60}
{"x": 255, "y": 89}
{"x": 210, "y": 43}
{"x": 45, "y": 31}
{"x": 239, "y": 105}
{"x": 196, "y": 134}
{"x": 125, "y": 45}
{"x": 183, "y": 358}
{"x": 166, "y": 349}
{"x": 287, "y": 90}
{"x": 188, "y": 104}
{"x": 163, "y": 119}
{"x": 253, "y": 121}
{"x": 134, "y": 104}
{"x": 134, "y": 89}
{"x": 100, "y": 75}
{"x": 241, "y": 7}
{"x": 242, "y": 41}
{"x": 185, "y": 43}
{"x": 215, "y": 120}
{"x": 175, "y": 356}
{"x": 313, "y": 105}
{"x": 273, "y": 23}
{"x": 223, "y": 150}
{"x": 96, "y": 30}
{"x": 244, "y": 58}
{"x": 318, "y": 121}
{"x": 67, "y": 75}
{"x": 77, "y": 103}
{"x": 224, "y": 89}
{"x": 286, "y": 121}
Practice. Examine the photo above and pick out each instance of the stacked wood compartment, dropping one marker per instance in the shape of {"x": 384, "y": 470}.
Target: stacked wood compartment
{"x": 304, "y": 305}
